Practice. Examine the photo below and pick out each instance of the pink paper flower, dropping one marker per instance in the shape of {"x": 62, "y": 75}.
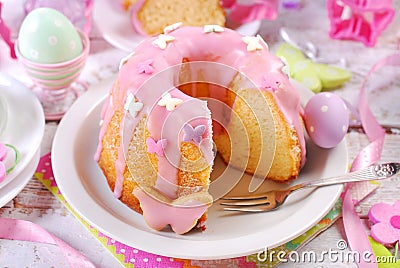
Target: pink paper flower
{"x": 244, "y": 11}
{"x": 386, "y": 219}
{"x": 361, "y": 21}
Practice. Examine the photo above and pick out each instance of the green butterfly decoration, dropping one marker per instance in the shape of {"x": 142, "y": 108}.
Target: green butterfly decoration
{"x": 316, "y": 76}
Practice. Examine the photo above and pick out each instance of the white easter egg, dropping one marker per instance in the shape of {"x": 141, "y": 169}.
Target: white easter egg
{"x": 326, "y": 118}
{"x": 47, "y": 36}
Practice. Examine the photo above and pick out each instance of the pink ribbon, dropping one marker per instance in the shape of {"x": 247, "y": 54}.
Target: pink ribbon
{"x": 252, "y": 10}
{"x": 27, "y": 231}
{"x": 354, "y": 229}
{"x": 5, "y": 33}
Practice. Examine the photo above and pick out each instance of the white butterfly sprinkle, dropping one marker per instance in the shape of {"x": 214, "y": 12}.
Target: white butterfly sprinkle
{"x": 253, "y": 42}
{"x": 172, "y": 27}
{"x": 168, "y": 102}
{"x": 213, "y": 29}
{"x": 133, "y": 106}
{"x": 162, "y": 40}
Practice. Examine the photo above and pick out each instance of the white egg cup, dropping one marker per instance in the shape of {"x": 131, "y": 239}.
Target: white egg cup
{"x": 55, "y": 84}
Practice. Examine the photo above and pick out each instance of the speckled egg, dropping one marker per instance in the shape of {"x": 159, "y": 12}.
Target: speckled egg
{"x": 47, "y": 36}
{"x": 327, "y": 119}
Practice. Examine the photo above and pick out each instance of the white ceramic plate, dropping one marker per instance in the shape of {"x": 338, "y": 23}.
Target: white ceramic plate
{"x": 115, "y": 25}
{"x": 25, "y": 124}
{"x": 228, "y": 235}
{"x": 9, "y": 191}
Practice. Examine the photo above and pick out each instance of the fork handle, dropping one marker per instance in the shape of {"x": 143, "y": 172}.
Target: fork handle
{"x": 372, "y": 172}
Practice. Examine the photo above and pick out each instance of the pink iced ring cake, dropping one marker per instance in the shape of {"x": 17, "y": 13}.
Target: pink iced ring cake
{"x": 178, "y": 97}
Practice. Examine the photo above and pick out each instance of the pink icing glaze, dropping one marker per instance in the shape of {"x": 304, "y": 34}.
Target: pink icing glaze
{"x": 225, "y": 48}
{"x": 181, "y": 218}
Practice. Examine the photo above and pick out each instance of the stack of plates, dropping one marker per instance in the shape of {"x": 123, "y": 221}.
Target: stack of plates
{"x": 23, "y": 127}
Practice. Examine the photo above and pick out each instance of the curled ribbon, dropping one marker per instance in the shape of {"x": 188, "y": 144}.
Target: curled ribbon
{"x": 27, "y": 231}
{"x": 356, "y": 235}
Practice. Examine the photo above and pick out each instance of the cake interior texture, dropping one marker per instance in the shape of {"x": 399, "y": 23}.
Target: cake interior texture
{"x": 155, "y": 15}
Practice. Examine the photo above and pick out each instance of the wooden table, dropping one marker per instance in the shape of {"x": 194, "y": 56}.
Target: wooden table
{"x": 35, "y": 203}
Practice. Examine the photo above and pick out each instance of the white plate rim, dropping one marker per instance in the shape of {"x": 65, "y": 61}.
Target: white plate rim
{"x": 124, "y": 38}
{"x": 12, "y": 189}
{"x": 70, "y": 186}
{"x": 30, "y": 113}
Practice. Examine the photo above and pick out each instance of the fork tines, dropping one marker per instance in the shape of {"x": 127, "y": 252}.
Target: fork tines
{"x": 247, "y": 204}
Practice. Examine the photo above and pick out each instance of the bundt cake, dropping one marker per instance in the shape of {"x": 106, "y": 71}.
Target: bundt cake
{"x": 180, "y": 96}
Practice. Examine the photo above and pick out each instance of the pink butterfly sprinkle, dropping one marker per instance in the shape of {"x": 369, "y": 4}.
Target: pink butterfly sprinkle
{"x": 194, "y": 134}
{"x": 156, "y": 147}
{"x": 145, "y": 67}
{"x": 271, "y": 82}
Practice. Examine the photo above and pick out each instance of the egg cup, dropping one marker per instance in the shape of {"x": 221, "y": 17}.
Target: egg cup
{"x": 55, "y": 84}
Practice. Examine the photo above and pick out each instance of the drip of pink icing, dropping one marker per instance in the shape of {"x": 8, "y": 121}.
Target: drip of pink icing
{"x": 105, "y": 117}
{"x": 226, "y": 48}
{"x": 159, "y": 214}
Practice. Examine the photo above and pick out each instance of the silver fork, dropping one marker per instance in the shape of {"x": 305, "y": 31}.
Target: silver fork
{"x": 274, "y": 199}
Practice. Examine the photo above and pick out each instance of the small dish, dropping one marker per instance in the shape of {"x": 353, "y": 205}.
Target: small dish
{"x": 25, "y": 126}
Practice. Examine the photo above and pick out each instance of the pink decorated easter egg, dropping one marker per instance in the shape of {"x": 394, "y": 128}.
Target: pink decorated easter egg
{"x": 327, "y": 119}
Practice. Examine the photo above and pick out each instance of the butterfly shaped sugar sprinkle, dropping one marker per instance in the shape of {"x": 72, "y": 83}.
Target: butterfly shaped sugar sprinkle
{"x": 156, "y": 146}
{"x": 133, "y": 106}
{"x": 253, "y": 42}
{"x": 162, "y": 40}
{"x": 145, "y": 67}
{"x": 193, "y": 134}
{"x": 169, "y": 102}
{"x": 172, "y": 27}
{"x": 213, "y": 29}
{"x": 271, "y": 81}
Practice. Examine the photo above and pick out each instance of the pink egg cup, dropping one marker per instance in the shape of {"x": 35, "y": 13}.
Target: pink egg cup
{"x": 55, "y": 83}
